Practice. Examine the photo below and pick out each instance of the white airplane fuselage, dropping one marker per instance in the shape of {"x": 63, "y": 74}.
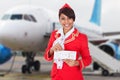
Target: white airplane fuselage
{"x": 24, "y": 34}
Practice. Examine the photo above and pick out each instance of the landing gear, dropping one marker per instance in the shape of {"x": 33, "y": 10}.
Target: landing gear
{"x": 24, "y": 69}
{"x": 30, "y": 63}
{"x": 95, "y": 66}
{"x": 37, "y": 65}
{"x": 105, "y": 72}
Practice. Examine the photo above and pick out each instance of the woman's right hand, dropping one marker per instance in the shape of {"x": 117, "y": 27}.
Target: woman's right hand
{"x": 56, "y": 47}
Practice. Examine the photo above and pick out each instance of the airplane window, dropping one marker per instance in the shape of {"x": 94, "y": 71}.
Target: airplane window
{"x": 29, "y": 18}
{"x": 6, "y": 17}
{"x": 16, "y": 16}
{"x": 26, "y": 17}
{"x": 33, "y": 18}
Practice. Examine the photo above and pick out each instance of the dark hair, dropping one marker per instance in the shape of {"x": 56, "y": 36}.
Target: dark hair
{"x": 68, "y": 12}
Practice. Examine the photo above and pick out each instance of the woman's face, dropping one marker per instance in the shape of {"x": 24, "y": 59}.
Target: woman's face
{"x": 66, "y": 22}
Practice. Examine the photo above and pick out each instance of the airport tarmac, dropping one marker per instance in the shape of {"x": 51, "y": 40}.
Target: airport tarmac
{"x": 43, "y": 74}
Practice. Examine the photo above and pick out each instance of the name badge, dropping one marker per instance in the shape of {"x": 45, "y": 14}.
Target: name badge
{"x": 65, "y": 55}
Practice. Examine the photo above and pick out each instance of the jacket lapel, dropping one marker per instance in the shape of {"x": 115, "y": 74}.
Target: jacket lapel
{"x": 72, "y": 36}
{"x": 69, "y": 38}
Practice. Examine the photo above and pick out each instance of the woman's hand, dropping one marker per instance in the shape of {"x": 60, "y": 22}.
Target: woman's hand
{"x": 56, "y": 47}
{"x": 71, "y": 62}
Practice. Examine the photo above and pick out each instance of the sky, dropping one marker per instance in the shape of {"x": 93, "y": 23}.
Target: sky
{"x": 110, "y": 17}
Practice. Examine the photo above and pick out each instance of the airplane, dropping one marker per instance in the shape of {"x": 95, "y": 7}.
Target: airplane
{"x": 27, "y": 29}
{"x": 24, "y": 28}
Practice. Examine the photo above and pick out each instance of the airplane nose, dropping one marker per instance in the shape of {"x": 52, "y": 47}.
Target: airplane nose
{"x": 21, "y": 35}
{"x": 8, "y": 33}
{"x": 4, "y": 30}
{"x": 18, "y": 35}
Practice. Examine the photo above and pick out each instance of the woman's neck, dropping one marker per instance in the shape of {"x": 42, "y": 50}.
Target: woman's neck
{"x": 65, "y": 31}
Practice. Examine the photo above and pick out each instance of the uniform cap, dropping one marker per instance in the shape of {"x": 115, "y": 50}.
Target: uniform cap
{"x": 66, "y": 6}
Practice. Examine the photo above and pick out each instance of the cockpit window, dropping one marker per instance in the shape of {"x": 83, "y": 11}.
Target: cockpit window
{"x": 6, "y": 17}
{"x": 33, "y": 18}
{"x": 27, "y": 17}
{"x": 16, "y": 16}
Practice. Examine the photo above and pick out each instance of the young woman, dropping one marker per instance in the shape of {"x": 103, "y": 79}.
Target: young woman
{"x": 68, "y": 38}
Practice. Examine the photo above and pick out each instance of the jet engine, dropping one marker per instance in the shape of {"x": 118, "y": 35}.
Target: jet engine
{"x": 112, "y": 48}
{"x": 5, "y": 54}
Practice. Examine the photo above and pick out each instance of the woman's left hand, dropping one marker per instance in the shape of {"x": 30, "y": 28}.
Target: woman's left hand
{"x": 71, "y": 62}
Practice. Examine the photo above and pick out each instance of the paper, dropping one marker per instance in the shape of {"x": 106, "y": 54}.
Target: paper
{"x": 65, "y": 55}
{"x": 60, "y": 55}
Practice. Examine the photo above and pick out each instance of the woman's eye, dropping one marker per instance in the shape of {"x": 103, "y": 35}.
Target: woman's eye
{"x": 62, "y": 18}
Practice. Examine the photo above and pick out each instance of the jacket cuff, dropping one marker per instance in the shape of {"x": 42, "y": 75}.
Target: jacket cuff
{"x": 48, "y": 57}
{"x": 82, "y": 66}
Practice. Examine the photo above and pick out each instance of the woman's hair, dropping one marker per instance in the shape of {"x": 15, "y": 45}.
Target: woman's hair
{"x": 68, "y": 12}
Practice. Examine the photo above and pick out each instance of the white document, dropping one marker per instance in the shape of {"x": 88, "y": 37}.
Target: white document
{"x": 65, "y": 55}
{"x": 60, "y": 55}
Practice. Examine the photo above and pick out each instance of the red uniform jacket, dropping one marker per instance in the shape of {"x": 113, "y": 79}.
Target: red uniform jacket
{"x": 75, "y": 42}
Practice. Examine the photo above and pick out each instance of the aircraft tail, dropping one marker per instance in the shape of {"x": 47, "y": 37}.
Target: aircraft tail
{"x": 96, "y": 15}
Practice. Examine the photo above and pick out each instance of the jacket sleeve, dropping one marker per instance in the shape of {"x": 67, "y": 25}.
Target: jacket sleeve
{"x": 50, "y": 43}
{"x": 85, "y": 53}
